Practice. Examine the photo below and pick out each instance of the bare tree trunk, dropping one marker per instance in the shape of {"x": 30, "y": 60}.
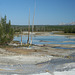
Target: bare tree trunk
{"x": 28, "y": 27}
{"x": 21, "y": 37}
{"x": 33, "y": 24}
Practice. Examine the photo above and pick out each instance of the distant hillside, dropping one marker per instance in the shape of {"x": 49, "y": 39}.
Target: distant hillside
{"x": 72, "y": 23}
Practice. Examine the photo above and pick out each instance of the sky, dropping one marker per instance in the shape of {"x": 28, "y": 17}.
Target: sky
{"x": 47, "y": 12}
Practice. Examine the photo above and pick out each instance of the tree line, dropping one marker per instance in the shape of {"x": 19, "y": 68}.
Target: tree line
{"x": 46, "y": 28}
{"x": 6, "y": 31}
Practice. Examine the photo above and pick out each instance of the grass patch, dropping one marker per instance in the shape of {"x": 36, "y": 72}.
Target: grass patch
{"x": 17, "y": 42}
{"x": 6, "y": 46}
{"x": 65, "y": 33}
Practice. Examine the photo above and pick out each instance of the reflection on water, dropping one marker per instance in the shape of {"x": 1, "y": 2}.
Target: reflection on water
{"x": 47, "y": 39}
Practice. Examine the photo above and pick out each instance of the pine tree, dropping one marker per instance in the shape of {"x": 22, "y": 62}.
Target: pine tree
{"x": 6, "y": 32}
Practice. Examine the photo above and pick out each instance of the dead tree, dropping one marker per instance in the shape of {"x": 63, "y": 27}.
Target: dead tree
{"x": 33, "y": 24}
{"x": 28, "y": 27}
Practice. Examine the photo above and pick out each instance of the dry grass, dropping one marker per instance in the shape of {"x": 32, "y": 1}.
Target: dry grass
{"x": 21, "y": 51}
{"x": 65, "y": 33}
{"x": 1, "y": 70}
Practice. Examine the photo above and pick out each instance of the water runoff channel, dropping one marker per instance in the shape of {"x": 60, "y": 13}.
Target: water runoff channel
{"x": 42, "y": 40}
